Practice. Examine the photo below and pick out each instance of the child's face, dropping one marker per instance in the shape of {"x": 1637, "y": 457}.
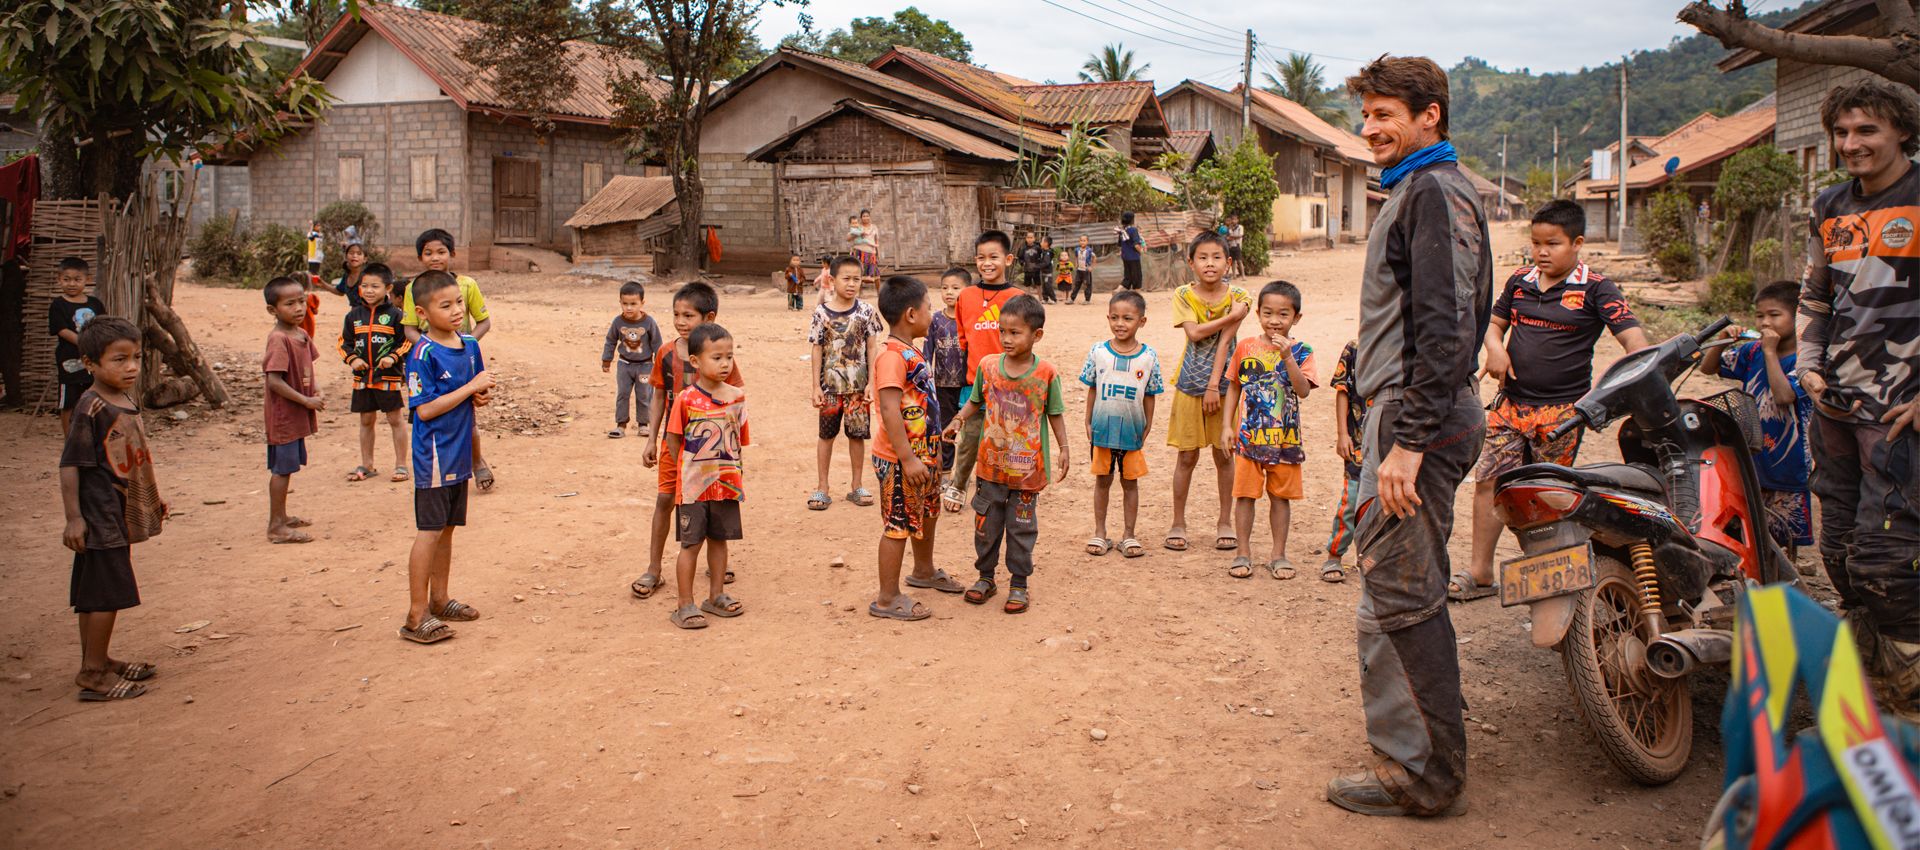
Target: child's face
{"x": 444, "y": 309}
{"x": 793, "y": 262}
{"x": 1776, "y": 317}
{"x": 373, "y": 290}
{"x": 632, "y": 307}
{"x": 437, "y": 256}
{"x": 1209, "y": 263}
{"x": 1029, "y": 239}
{"x": 1083, "y": 241}
{"x": 917, "y": 320}
{"x": 118, "y": 366}
{"x": 846, "y": 282}
{"x": 289, "y": 305}
{"x": 1553, "y": 253}
{"x": 1017, "y": 338}
{"x": 356, "y": 257}
{"x": 715, "y": 361}
{"x": 990, "y": 259}
{"x": 950, "y": 288}
{"x": 1124, "y": 320}
{"x": 686, "y": 317}
{"x": 1278, "y": 315}
{"x": 73, "y": 283}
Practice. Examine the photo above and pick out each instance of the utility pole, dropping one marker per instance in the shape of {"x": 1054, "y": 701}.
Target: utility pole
{"x": 1624, "y": 161}
{"x": 1246, "y": 88}
{"x": 1556, "y": 162}
{"x": 1503, "y": 170}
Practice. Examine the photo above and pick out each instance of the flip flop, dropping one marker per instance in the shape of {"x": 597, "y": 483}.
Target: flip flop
{"x": 123, "y": 689}
{"x": 860, "y": 497}
{"x": 940, "y": 581}
{"x": 1462, "y": 588}
{"x": 952, "y": 499}
{"x": 457, "y": 611}
{"x": 1097, "y": 546}
{"x": 138, "y": 671}
{"x": 1223, "y": 542}
{"x": 723, "y": 605}
{"x": 903, "y": 608}
{"x": 399, "y": 474}
{"x": 1176, "y": 543}
{"x": 362, "y": 473}
{"x": 1331, "y": 572}
{"x": 1242, "y": 567}
{"x": 645, "y": 585}
{"x": 430, "y": 630}
{"x": 616, "y": 434}
{"x": 1016, "y": 601}
{"x": 1280, "y": 568}
{"x": 819, "y": 501}
{"x": 483, "y": 478}
{"x": 688, "y": 617}
{"x": 1132, "y": 548}
{"x": 981, "y": 591}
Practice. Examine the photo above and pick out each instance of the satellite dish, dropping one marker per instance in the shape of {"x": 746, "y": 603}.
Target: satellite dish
{"x": 1673, "y": 164}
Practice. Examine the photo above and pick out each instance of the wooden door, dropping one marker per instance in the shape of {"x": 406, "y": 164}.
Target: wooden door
{"x": 516, "y": 200}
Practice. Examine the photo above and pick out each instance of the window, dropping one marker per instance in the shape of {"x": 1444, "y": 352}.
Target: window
{"x": 424, "y": 177}
{"x": 352, "y": 186}
{"x": 592, "y": 178}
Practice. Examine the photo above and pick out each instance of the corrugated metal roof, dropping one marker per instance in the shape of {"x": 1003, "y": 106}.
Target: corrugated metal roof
{"x": 1056, "y": 105}
{"x": 624, "y": 198}
{"x": 1193, "y": 143}
{"x": 997, "y": 92}
{"x": 926, "y": 129}
{"x": 436, "y": 43}
{"x": 1092, "y": 103}
{"x": 1704, "y": 147}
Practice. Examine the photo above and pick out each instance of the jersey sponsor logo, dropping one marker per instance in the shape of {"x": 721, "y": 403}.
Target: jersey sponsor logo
{"x": 1574, "y": 299}
{"x": 1897, "y": 233}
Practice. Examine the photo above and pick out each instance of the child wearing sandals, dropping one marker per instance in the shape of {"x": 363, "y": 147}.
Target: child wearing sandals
{"x": 1349, "y": 419}
{"x": 846, "y": 335}
{"x": 947, "y": 356}
{"x": 1122, "y": 377}
{"x": 906, "y": 451}
{"x": 375, "y": 348}
{"x": 446, "y": 379}
{"x": 1266, "y": 380}
{"x": 291, "y": 405}
{"x": 107, "y": 489}
{"x": 1018, "y": 399}
{"x": 706, "y": 433}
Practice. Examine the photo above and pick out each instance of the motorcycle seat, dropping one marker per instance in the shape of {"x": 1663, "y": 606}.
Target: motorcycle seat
{"x": 1617, "y": 476}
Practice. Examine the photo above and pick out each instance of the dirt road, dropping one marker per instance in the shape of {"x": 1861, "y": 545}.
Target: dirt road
{"x": 575, "y": 715}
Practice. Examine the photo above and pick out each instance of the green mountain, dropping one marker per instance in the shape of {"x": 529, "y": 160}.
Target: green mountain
{"x": 1665, "y": 88}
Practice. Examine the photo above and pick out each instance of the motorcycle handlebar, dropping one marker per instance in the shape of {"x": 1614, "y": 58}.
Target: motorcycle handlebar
{"x": 1566, "y": 427}
{"x": 1712, "y": 330}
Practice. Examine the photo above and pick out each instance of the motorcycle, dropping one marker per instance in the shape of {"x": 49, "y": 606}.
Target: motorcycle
{"x": 1634, "y": 570}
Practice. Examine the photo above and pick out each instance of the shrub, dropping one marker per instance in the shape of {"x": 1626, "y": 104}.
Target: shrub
{"x": 1667, "y": 229}
{"x": 332, "y": 221}
{"x": 1730, "y": 292}
{"x": 1676, "y": 260}
{"x": 1244, "y": 180}
{"x": 219, "y": 250}
{"x": 275, "y": 249}
{"x": 1766, "y": 258}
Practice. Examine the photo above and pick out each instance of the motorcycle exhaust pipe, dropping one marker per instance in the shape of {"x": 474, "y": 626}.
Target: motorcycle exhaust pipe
{"x": 1677, "y": 654}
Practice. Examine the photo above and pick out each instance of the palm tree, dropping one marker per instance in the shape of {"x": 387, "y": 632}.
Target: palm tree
{"x": 1304, "y": 82}
{"x": 1112, "y": 64}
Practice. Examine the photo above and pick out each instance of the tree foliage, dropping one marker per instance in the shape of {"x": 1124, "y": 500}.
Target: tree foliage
{"x": 1089, "y": 172}
{"x": 1112, "y": 64}
{"x": 1751, "y": 182}
{"x": 114, "y": 82}
{"x": 866, "y": 39}
{"x": 1245, "y": 183}
{"x": 521, "y": 44}
{"x": 1667, "y": 228}
{"x": 1304, "y": 82}
{"x": 1540, "y": 188}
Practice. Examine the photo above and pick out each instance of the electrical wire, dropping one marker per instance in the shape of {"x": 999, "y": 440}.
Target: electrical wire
{"x": 1199, "y": 35}
{"x": 1204, "y": 40}
{"x": 1234, "y": 33}
{"x": 1136, "y": 32}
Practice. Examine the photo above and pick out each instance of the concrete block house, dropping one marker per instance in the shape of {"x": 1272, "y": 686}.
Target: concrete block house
{"x": 423, "y": 139}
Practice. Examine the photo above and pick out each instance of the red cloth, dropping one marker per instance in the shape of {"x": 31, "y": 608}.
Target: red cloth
{"x": 19, "y": 188}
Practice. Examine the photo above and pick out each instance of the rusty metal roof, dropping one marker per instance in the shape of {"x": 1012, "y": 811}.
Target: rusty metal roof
{"x": 1092, "y": 103}
{"x": 926, "y": 129}
{"x": 1194, "y": 143}
{"x": 625, "y": 198}
{"x": 1016, "y": 99}
{"x": 989, "y": 90}
{"x": 1286, "y": 118}
{"x": 436, "y": 42}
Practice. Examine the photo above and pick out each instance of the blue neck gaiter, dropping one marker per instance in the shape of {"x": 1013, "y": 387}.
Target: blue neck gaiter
{"x": 1441, "y": 151}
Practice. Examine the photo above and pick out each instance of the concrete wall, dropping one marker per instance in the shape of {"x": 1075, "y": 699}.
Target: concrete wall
{"x": 562, "y": 189}
{"x": 375, "y": 71}
{"x": 299, "y": 175}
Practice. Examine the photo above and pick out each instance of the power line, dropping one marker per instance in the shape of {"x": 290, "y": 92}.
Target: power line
{"x": 1234, "y": 46}
{"x": 1205, "y": 37}
{"x": 1231, "y": 32}
{"x": 1136, "y": 32}
{"x": 1272, "y": 48}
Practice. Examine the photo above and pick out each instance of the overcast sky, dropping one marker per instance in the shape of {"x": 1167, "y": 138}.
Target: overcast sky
{"x": 1047, "y": 40}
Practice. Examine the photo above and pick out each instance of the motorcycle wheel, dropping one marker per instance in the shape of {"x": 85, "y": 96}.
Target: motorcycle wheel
{"x": 1644, "y": 723}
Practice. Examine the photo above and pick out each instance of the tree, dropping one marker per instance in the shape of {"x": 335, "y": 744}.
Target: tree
{"x": 1244, "y": 181}
{"x": 1304, "y": 82}
{"x": 1540, "y": 188}
{"x": 115, "y": 82}
{"x": 520, "y": 43}
{"x": 1752, "y": 181}
{"x": 866, "y": 39}
{"x": 1112, "y": 64}
{"x": 1895, "y": 56}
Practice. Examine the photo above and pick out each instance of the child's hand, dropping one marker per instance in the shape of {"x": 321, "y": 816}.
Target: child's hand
{"x": 818, "y": 399}
{"x": 315, "y": 402}
{"x": 75, "y": 535}
{"x": 1343, "y": 444}
{"x": 651, "y": 454}
{"x": 384, "y": 362}
{"x": 356, "y": 364}
{"x": 916, "y": 472}
{"x": 1283, "y": 341}
{"x": 1226, "y": 437}
{"x": 1210, "y": 403}
{"x": 1066, "y": 462}
{"x": 1769, "y": 336}
{"x": 1733, "y": 331}
{"x": 481, "y": 382}
{"x": 951, "y": 433}
{"x": 482, "y": 398}
{"x": 1499, "y": 366}
{"x": 606, "y": 365}
{"x": 1239, "y": 310}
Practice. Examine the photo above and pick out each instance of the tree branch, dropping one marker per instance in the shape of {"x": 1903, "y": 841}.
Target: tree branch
{"x": 1899, "y": 16}
{"x": 1896, "y": 57}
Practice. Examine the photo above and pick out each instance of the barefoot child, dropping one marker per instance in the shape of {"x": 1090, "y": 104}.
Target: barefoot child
{"x": 1209, "y": 312}
{"x": 634, "y": 337}
{"x": 906, "y": 451}
{"x": 291, "y": 404}
{"x": 846, "y": 334}
{"x": 1349, "y": 426}
{"x": 67, "y": 315}
{"x": 693, "y": 305}
{"x": 1122, "y": 377}
{"x": 375, "y": 348}
{"x": 1764, "y": 368}
{"x": 978, "y": 315}
{"x": 446, "y": 379}
{"x": 1018, "y": 400}
{"x": 947, "y": 357}
{"x": 107, "y": 489}
{"x": 705, "y": 435}
{"x": 1266, "y": 380}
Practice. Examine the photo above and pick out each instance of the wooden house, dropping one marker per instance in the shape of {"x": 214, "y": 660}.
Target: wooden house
{"x": 1688, "y": 158}
{"x": 630, "y": 221}
{"x": 1322, "y": 170}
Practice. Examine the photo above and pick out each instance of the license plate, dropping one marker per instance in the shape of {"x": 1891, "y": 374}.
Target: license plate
{"x": 1546, "y": 575}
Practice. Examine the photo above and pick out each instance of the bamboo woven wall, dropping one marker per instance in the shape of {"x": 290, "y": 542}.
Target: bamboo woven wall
{"x": 60, "y": 229}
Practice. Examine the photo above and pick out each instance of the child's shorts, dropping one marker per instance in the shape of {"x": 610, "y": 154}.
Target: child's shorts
{"x": 1189, "y": 428}
{"x": 717, "y": 519}
{"x": 1517, "y": 435}
{"x": 907, "y": 510}
{"x": 1131, "y": 464}
{"x": 375, "y": 401}
{"x": 669, "y": 469}
{"x": 287, "y": 458}
{"x": 1277, "y": 480}
{"x": 70, "y": 394}
{"x": 436, "y": 508}
{"x": 1789, "y": 516}
{"x": 103, "y": 581}
{"x": 846, "y": 411}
